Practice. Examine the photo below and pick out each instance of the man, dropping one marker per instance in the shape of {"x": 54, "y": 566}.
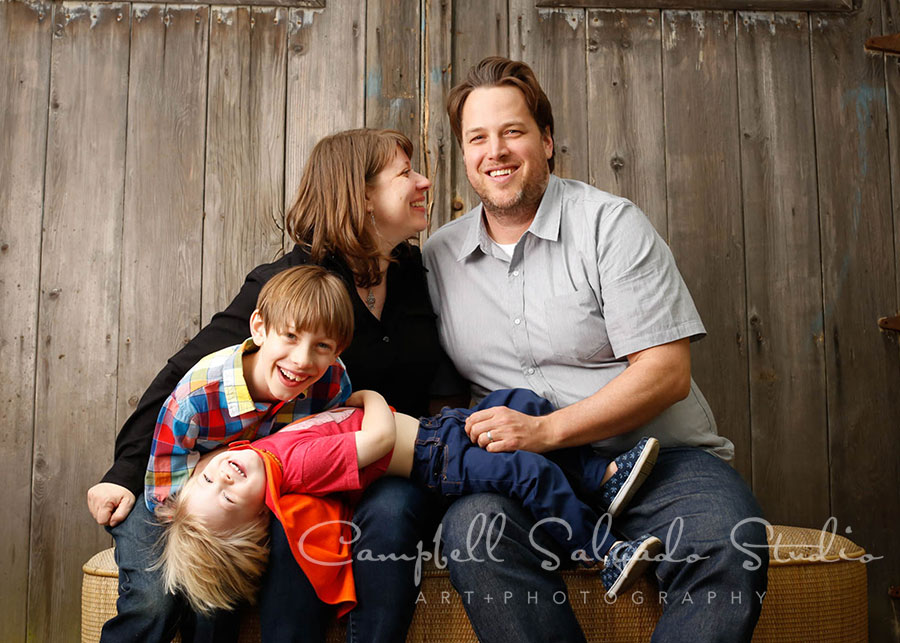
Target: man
{"x": 558, "y": 287}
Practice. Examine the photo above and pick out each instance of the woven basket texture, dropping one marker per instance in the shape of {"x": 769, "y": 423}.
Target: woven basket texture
{"x": 814, "y": 595}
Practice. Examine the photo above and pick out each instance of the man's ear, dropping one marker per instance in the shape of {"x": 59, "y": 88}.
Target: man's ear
{"x": 257, "y": 328}
{"x": 547, "y": 140}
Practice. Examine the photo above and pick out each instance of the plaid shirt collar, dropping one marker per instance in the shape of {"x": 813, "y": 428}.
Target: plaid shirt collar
{"x": 234, "y": 385}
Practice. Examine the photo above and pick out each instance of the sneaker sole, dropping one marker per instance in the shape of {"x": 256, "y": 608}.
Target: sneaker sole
{"x": 642, "y": 469}
{"x": 636, "y": 566}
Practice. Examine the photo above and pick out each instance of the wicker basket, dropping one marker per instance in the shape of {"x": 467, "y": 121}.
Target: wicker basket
{"x": 811, "y": 597}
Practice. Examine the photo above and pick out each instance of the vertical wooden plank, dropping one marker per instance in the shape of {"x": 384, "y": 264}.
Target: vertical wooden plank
{"x": 79, "y": 313}
{"x": 322, "y": 97}
{"x": 553, "y": 41}
{"x": 891, "y": 21}
{"x": 786, "y": 352}
{"x": 439, "y": 144}
{"x": 625, "y": 122}
{"x": 392, "y": 65}
{"x": 24, "y": 91}
{"x": 244, "y": 197}
{"x": 162, "y": 237}
{"x": 705, "y": 223}
{"x": 479, "y": 30}
{"x": 860, "y": 275}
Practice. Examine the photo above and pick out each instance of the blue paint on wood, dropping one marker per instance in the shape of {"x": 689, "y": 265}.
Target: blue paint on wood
{"x": 373, "y": 83}
{"x": 861, "y": 99}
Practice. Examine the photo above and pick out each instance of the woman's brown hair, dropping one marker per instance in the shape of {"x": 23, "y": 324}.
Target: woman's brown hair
{"x": 329, "y": 213}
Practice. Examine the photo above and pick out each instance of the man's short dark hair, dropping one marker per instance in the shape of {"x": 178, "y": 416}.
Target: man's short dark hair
{"x": 496, "y": 71}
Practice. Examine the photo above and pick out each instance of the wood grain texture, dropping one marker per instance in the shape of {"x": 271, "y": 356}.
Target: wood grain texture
{"x": 784, "y": 274}
{"x": 705, "y": 222}
{"x": 552, "y": 41}
{"x": 24, "y": 95}
{"x": 479, "y": 30}
{"x": 162, "y": 239}
{"x": 78, "y": 326}
{"x": 311, "y": 4}
{"x": 322, "y": 97}
{"x": 625, "y": 114}
{"x": 891, "y": 24}
{"x": 244, "y": 198}
{"x": 860, "y": 271}
{"x": 438, "y": 142}
{"x": 392, "y": 68}
{"x": 740, "y": 5}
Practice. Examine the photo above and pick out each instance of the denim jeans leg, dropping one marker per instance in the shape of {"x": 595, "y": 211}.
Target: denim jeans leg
{"x": 532, "y": 479}
{"x": 289, "y": 609}
{"x": 146, "y": 613}
{"x": 692, "y": 501}
{"x": 506, "y": 593}
{"x": 393, "y": 517}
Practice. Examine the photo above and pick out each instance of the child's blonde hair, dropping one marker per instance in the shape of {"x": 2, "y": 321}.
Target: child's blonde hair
{"x": 308, "y": 298}
{"x": 214, "y": 570}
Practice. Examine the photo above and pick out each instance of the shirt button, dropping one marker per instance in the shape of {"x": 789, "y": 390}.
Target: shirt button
{"x": 515, "y": 273}
{"x": 517, "y": 321}
{"x": 385, "y": 339}
{"x": 531, "y": 371}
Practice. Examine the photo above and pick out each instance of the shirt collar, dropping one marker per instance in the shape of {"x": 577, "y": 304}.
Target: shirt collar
{"x": 237, "y": 393}
{"x": 545, "y": 224}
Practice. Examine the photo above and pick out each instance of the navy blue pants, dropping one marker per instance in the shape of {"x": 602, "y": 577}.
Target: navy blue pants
{"x": 547, "y": 485}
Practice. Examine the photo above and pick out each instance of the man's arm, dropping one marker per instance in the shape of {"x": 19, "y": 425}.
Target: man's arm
{"x": 655, "y": 378}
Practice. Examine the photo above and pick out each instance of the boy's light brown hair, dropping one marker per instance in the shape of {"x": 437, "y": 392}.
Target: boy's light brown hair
{"x": 329, "y": 213}
{"x": 496, "y": 71}
{"x": 308, "y": 298}
{"x": 213, "y": 570}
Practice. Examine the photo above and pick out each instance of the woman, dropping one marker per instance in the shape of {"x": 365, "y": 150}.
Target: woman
{"x": 358, "y": 202}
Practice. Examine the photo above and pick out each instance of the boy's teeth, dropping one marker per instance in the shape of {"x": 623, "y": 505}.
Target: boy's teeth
{"x": 290, "y": 376}
{"x": 505, "y": 172}
{"x": 236, "y": 467}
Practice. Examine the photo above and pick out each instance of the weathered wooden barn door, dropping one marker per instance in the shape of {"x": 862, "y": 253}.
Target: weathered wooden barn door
{"x": 148, "y": 153}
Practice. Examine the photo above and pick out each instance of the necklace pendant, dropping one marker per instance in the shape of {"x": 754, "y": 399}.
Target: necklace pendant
{"x": 370, "y": 300}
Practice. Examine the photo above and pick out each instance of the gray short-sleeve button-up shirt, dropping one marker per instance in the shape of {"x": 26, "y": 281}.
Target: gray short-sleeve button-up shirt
{"x": 588, "y": 283}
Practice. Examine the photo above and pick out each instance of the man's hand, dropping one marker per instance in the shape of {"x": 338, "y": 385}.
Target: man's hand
{"x": 109, "y": 503}
{"x": 510, "y": 430}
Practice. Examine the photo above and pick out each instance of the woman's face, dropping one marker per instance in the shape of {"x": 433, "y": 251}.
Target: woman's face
{"x": 396, "y": 198}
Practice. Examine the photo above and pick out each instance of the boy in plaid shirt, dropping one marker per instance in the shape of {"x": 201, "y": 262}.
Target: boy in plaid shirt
{"x": 288, "y": 369}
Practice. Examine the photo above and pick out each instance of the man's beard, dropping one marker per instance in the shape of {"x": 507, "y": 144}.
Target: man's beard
{"x": 523, "y": 204}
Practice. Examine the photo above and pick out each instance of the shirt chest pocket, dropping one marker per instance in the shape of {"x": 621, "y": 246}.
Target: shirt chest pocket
{"x": 576, "y": 327}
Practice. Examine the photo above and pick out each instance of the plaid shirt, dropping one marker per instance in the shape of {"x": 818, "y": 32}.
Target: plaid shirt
{"x": 211, "y": 406}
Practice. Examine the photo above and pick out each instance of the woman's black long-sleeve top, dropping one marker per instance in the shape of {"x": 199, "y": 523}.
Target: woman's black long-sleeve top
{"x": 396, "y": 355}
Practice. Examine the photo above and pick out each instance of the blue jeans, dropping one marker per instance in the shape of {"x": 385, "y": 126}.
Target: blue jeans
{"x": 447, "y": 462}
{"x": 393, "y": 516}
{"x": 713, "y": 599}
{"x": 145, "y": 611}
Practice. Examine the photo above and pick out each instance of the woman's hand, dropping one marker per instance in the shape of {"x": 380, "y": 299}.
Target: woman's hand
{"x": 109, "y": 503}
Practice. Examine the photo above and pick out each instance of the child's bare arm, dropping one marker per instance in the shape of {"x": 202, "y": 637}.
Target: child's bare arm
{"x": 375, "y": 439}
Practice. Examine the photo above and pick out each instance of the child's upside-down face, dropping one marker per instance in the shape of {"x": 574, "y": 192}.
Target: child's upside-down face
{"x": 230, "y": 491}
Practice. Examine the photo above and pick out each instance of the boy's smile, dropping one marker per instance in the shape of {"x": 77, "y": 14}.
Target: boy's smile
{"x": 230, "y": 490}
{"x": 288, "y": 361}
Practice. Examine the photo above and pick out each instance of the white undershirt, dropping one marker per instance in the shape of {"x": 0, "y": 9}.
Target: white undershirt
{"x": 507, "y": 248}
